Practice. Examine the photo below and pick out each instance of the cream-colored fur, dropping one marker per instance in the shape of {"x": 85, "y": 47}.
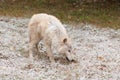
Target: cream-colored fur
{"x": 49, "y": 29}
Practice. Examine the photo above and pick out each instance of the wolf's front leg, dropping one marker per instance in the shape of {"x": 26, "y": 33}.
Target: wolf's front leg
{"x": 49, "y": 53}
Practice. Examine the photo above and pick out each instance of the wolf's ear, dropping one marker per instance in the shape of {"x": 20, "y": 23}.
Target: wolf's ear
{"x": 64, "y": 40}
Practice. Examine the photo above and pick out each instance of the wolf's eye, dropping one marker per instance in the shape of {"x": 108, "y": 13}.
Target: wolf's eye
{"x": 69, "y": 50}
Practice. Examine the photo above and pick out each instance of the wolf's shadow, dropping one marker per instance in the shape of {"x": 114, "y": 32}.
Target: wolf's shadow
{"x": 43, "y": 56}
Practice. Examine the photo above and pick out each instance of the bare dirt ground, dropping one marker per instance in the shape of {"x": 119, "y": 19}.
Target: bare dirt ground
{"x": 97, "y": 50}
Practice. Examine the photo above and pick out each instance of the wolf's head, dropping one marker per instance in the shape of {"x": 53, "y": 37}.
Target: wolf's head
{"x": 67, "y": 50}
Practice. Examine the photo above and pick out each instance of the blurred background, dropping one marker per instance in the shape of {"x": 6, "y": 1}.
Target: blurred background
{"x": 104, "y": 13}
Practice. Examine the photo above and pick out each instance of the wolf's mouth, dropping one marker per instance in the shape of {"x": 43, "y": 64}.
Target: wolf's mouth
{"x": 70, "y": 60}
{"x": 67, "y": 59}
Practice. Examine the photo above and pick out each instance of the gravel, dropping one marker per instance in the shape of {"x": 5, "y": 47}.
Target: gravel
{"x": 97, "y": 51}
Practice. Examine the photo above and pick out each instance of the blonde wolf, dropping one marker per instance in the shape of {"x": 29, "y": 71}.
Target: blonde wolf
{"x": 49, "y": 29}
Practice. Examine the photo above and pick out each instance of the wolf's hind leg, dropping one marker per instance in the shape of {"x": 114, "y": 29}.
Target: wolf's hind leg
{"x": 33, "y": 44}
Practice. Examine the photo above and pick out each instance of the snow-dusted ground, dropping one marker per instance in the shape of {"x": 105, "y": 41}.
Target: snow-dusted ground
{"x": 97, "y": 50}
